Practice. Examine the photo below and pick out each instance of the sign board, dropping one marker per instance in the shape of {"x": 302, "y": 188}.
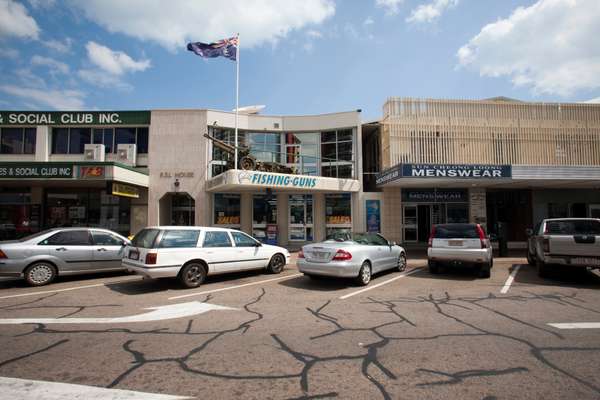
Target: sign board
{"x": 123, "y": 190}
{"x": 35, "y": 171}
{"x": 435, "y": 196}
{"x": 373, "y": 215}
{"x": 91, "y": 172}
{"x": 75, "y": 118}
{"x": 444, "y": 171}
{"x": 281, "y": 180}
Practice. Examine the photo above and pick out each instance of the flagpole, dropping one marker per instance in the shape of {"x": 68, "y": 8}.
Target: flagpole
{"x": 237, "y": 95}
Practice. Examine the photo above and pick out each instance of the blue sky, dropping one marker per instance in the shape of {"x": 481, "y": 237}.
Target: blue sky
{"x": 297, "y": 57}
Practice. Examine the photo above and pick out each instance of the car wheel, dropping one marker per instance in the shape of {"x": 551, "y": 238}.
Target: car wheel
{"x": 276, "y": 264}
{"x": 530, "y": 259}
{"x": 192, "y": 275}
{"x": 364, "y": 274}
{"x": 401, "y": 262}
{"x": 433, "y": 267}
{"x": 484, "y": 270}
{"x": 542, "y": 268}
{"x": 39, "y": 274}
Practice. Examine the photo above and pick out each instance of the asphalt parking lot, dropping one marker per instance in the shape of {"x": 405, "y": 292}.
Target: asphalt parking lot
{"x": 408, "y": 335}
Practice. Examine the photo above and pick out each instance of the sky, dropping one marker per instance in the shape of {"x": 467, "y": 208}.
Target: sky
{"x": 297, "y": 57}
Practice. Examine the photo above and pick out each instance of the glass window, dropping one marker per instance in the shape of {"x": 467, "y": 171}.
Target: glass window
{"x": 124, "y": 136}
{"x": 108, "y": 140}
{"x": 344, "y": 134}
{"x": 68, "y": 238}
{"x": 264, "y": 212}
{"x": 78, "y": 138}
{"x": 573, "y": 227}
{"x": 105, "y": 239}
{"x": 338, "y": 209}
{"x": 12, "y": 140}
{"x": 344, "y": 171}
{"x": 216, "y": 239}
{"x": 328, "y": 152}
{"x": 345, "y": 151}
{"x": 60, "y": 140}
{"x": 98, "y": 136}
{"x": 30, "y": 136}
{"x": 242, "y": 240}
{"x": 456, "y": 231}
{"x": 227, "y": 209}
{"x": 329, "y": 136}
{"x": 145, "y": 238}
{"x": 179, "y": 238}
{"x": 142, "y": 140}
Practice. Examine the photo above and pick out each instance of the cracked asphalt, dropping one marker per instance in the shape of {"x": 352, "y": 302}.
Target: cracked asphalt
{"x": 447, "y": 336}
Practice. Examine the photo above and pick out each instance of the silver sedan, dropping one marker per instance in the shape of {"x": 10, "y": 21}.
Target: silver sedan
{"x": 66, "y": 251}
{"x": 356, "y": 255}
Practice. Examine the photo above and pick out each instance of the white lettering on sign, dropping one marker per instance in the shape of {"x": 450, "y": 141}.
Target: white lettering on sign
{"x": 112, "y": 118}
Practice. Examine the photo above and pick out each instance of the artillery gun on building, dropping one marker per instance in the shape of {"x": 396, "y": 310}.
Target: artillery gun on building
{"x": 247, "y": 161}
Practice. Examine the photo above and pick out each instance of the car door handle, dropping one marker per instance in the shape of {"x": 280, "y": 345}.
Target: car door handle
{"x": 61, "y": 249}
{"x": 102, "y": 249}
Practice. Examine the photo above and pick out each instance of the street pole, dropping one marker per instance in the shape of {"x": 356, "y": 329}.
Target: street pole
{"x": 237, "y": 98}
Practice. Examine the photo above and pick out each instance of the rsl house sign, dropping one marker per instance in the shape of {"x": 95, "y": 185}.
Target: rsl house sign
{"x": 444, "y": 171}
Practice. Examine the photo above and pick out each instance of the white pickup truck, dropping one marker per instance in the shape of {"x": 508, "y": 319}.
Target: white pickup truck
{"x": 573, "y": 242}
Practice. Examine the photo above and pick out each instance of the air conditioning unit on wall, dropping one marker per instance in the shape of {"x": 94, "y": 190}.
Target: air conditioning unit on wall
{"x": 93, "y": 152}
{"x": 126, "y": 154}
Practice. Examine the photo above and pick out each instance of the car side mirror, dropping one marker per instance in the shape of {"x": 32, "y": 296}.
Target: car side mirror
{"x": 529, "y": 232}
{"x": 126, "y": 243}
{"x": 392, "y": 244}
{"x": 258, "y": 244}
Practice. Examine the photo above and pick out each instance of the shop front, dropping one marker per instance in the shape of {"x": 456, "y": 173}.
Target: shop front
{"x": 283, "y": 209}
{"x": 36, "y": 196}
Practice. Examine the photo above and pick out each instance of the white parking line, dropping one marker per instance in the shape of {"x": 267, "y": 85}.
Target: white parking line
{"x": 380, "y": 284}
{"x": 234, "y": 287}
{"x": 63, "y": 290}
{"x": 510, "y": 280}
{"x": 577, "y": 325}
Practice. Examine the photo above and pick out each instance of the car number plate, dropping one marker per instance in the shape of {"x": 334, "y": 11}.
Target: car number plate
{"x": 455, "y": 242}
{"x": 134, "y": 254}
{"x": 585, "y": 261}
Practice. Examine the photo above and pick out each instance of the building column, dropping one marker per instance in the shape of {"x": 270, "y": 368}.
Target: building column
{"x": 391, "y": 214}
{"x": 246, "y": 213}
{"x": 282, "y": 219}
{"x": 42, "y": 143}
{"x": 477, "y": 206}
{"x": 319, "y": 219}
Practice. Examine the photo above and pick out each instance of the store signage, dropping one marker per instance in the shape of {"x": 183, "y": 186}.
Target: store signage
{"x": 452, "y": 171}
{"x": 435, "y": 196}
{"x": 91, "y": 172}
{"x": 120, "y": 189}
{"x": 373, "y": 215}
{"x": 179, "y": 174}
{"x": 266, "y": 179}
{"x": 48, "y": 170}
{"x": 75, "y": 118}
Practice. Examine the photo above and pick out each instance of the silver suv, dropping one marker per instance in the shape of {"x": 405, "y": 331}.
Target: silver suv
{"x": 64, "y": 251}
{"x": 457, "y": 244}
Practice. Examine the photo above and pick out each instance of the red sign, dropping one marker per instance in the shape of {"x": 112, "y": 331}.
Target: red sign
{"x": 91, "y": 172}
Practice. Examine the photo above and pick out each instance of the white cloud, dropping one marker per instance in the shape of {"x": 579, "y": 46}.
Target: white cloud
{"x": 392, "y": 7}
{"x": 551, "y": 47}
{"x": 29, "y": 79}
{"x": 114, "y": 62}
{"x": 58, "y": 46}
{"x": 314, "y": 34}
{"x": 52, "y": 64}
{"x": 42, "y": 3}
{"x": 56, "y": 99}
{"x": 427, "y": 13}
{"x": 102, "y": 79}
{"x": 16, "y": 21}
{"x": 369, "y": 21}
{"x": 181, "y": 21}
{"x": 7, "y": 52}
{"x": 593, "y": 101}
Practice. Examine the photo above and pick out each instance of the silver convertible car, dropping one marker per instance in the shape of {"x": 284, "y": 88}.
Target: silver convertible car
{"x": 64, "y": 251}
{"x": 354, "y": 255}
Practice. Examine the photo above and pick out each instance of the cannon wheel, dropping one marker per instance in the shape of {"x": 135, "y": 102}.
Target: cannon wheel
{"x": 247, "y": 163}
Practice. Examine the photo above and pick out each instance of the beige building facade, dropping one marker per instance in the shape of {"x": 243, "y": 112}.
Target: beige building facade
{"x": 500, "y": 162}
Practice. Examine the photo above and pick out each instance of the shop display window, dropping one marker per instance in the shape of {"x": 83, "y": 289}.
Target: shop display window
{"x": 264, "y": 218}
{"x": 227, "y": 209}
{"x": 18, "y": 217}
{"x": 338, "y": 209}
{"x": 17, "y": 140}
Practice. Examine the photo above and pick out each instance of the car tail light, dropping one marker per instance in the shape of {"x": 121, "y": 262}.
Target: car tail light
{"x": 151, "y": 258}
{"x": 342, "y": 255}
{"x": 2, "y": 254}
{"x": 431, "y": 236}
{"x": 300, "y": 254}
{"x": 546, "y": 245}
{"x": 482, "y": 238}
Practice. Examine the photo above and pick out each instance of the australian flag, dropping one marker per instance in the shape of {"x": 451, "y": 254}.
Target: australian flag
{"x": 223, "y": 48}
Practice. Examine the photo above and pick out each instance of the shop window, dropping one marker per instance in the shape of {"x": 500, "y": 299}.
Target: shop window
{"x": 227, "y": 209}
{"x": 558, "y": 210}
{"x": 17, "y": 140}
{"x": 338, "y": 213}
{"x": 264, "y": 218}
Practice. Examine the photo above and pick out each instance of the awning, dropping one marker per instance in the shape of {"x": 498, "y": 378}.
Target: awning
{"x": 240, "y": 180}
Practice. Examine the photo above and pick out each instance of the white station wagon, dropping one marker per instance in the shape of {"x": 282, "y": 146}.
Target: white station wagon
{"x": 192, "y": 253}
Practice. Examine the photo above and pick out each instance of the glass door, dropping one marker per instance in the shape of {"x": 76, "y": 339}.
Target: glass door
{"x": 300, "y": 226}
{"x": 594, "y": 210}
{"x": 410, "y": 223}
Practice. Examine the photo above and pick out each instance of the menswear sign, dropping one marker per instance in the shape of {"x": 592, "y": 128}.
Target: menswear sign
{"x": 445, "y": 171}
{"x": 75, "y": 118}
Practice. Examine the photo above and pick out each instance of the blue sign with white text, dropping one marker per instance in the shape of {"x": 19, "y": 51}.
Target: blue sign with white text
{"x": 373, "y": 215}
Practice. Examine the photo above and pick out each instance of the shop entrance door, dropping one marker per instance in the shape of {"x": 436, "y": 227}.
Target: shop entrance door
{"x": 424, "y": 222}
{"x": 410, "y": 223}
{"x": 300, "y": 218}
{"x": 182, "y": 209}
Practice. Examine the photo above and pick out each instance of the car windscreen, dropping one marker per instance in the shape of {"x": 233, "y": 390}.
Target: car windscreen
{"x": 456, "y": 231}
{"x": 573, "y": 227}
{"x": 145, "y": 238}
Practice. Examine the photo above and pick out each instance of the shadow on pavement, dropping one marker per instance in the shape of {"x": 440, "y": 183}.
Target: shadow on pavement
{"x": 458, "y": 273}
{"x": 84, "y": 279}
{"x": 330, "y": 283}
{"x": 558, "y": 276}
